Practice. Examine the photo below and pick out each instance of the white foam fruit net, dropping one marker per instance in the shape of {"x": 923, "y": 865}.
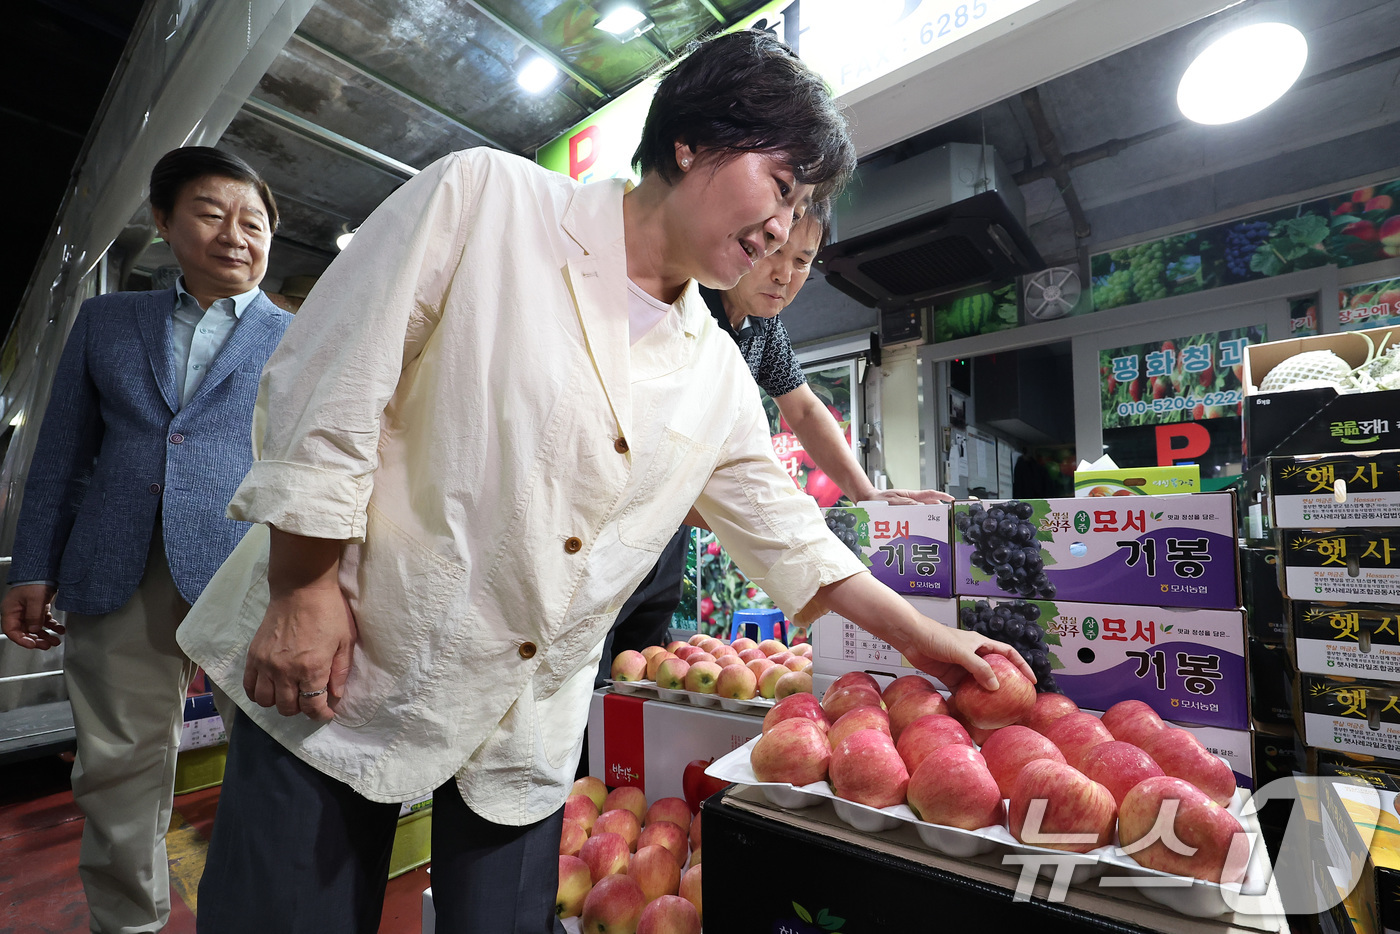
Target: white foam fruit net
{"x": 1316, "y": 368}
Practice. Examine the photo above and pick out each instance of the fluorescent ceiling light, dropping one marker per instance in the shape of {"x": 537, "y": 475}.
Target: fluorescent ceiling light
{"x": 342, "y": 241}
{"x": 1242, "y": 72}
{"x": 536, "y": 76}
{"x": 622, "y": 19}
{"x": 18, "y": 419}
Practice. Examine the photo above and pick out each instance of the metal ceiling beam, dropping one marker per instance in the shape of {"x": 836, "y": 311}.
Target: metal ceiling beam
{"x": 544, "y": 53}
{"x": 327, "y": 138}
{"x": 370, "y": 74}
{"x": 713, "y": 11}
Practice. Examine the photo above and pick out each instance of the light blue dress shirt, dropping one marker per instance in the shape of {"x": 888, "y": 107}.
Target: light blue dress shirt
{"x": 197, "y": 335}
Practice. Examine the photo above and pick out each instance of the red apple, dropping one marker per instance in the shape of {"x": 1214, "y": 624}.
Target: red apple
{"x": 575, "y": 882}
{"x": 698, "y": 638}
{"x": 748, "y": 655}
{"x": 805, "y": 706}
{"x": 690, "y": 889}
{"x": 656, "y": 871}
{"x": 802, "y": 649}
{"x": 725, "y": 661}
{"x": 614, "y": 906}
{"x": 671, "y": 674}
{"x": 674, "y": 810}
{"x": 1076, "y": 734}
{"x": 702, "y": 677}
{"x": 654, "y": 663}
{"x": 582, "y": 809}
{"x": 743, "y": 644}
{"x": 855, "y": 677}
{"x": 695, "y": 832}
{"x": 837, "y": 701}
{"x": 794, "y": 751}
{"x": 758, "y": 666}
{"x": 1118, "y": 766}
{"x": 629, "y": 666}
{"x": 698, "y": 786}
{"x": 686, "y": 651}
{"x": 779, "y": 658}
{"x": 1221, "y": 848}
{"x": 903, "y": 685}
{"x": 677, "y": 644}
{"x": 794, "y": 682}
{"x": 1075, "y": 807}
{"x": 1009, "y": 749}
{"x": 912, "y": 706}
{"x": 652, "y": 651}
{"x": 628, "y": 798}
{"x": 772, "y": 646}
{"x": 605, "y": 854}
{"x": 990, "y": 710}
{"x": 1132, "y": 721}
{"x": 594, "y": 788}
{"x": 736, "y": 681}
{"x": 798, "y": 663}
{"x": 669, "y": 914}
{"x": 621, "y": 822}
{"x": 724, "y": 650}
{"x": 663, "y": 833}
{"x": 710, "y": 644}
{"x": 697, "y": 657}
{"x": 867, "y": 769}
{"x": 768, "y": 681}
{"x": 1048, "y": 708}
{"x": 571, "y": 838}
{"x": 1181, "y": 755}
{"x": 928, "y": 734}
{"x": 861, "y": 718}
{"x": 953, "y": 787}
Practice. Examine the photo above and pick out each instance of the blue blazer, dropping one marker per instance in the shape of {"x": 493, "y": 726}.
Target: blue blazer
{"x": 115, "y": 449}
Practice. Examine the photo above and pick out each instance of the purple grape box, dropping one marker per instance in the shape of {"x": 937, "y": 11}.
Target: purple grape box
{"x": 905, "y": 547}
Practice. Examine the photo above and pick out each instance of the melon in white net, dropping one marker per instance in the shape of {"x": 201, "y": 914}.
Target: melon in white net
{"x": 1309, "y": 370}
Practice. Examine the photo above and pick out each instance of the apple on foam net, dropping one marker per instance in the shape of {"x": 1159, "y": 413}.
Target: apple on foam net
{"x": 896, "y": 690}
{"x": 772, "y": 646}
{"x": 594, "y": 788}
{"x": 798, "y": 663}
{"x": 1074, "y": 806}
{"x": 1220, "y": 843}
{"x": 768, "y": 681}
{"x": 758, "y": 666}
{"x": 1010, "y": 749}
{"x": 677, "y": 644}
{"x": 794, "y": 682}
{"x": 737, "y": 682}
{"x": 779, "y": 658}
{"x": 743, "y": 643}
{"x": 803, "y": 706}
{"x": 724, "y": 650}
{"x": 614, "y": 906}
{"x": 571, "y": 838}
{"x": 861, "y": 718}
{"x": 711, "y": 644}
{"x": 928, "y": 734}
{"x": 1181, "y": 755}
{"x": 793, "y": 751}
{"x": 580, "y": 807}
{"x": 670, "y": 674}
{"x": 690, "y": 889}
{"x": 1119, "y": 766}
{"x": 802, "y": 649}
{"x": 630, "y": 665}
{"x": 727, "y": 661}
{"x": 866, "y": 768}
{"x": 627, "y": 797}
{"x": 656, "y": 871}
{"x": 855, "y": 677}
{"x": 665, "y": 834}
{"x": 977, "y": 734}
{"x": 1132, "y": 721}
{"x": 575, "y": 882}
{"x": 911, "y": 707}
{"x": 953, "y": 787}
{"x": 685, "y": 652}
{"x": 990, "y": 710}
{"x": 837, "y": 701}
{"x": 669, "y": 914}
{"x": 698, "y": 638}
{"x": 674, "y": 810}
{"x": 621, "y": 822}
{"x": 748, "y": 655}
{"x": 654, "y": 663}
{"x": 702, "y": 677}
{"x": 605, "y": 854}
{"x": 1048, "y": 708}
{"x": 1076, "y": 734}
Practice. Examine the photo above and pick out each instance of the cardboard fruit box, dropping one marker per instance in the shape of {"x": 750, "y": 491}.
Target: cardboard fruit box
{"x": 1347, "y": 565}
{"x": 1263, "y": 597}
{"x": 1306, "y": 421}
{"x": 1145, "y": 550}
{"x": 1349, "y": 715}
{"x": 1356, "y": 640}
{"x": 1137, "y": 481}
{"x": 1361, "y": 833}
{"x": 1343, "y": 490}
{"x": 839, "y": 645}
{"x": 906, "y": 548}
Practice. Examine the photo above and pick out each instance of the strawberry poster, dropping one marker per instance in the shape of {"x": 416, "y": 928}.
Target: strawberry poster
{"x": 1371, "y": 305}
{"x": 832, "y": 384}
{"x": 1181, "y": 380}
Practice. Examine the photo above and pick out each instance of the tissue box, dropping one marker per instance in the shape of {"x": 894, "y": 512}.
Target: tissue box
{"x": 1138, "y": 481}
{"x": 1350, "y": 565}
{"x": 1302, "y": 490}
{"x": 906, "y": 548}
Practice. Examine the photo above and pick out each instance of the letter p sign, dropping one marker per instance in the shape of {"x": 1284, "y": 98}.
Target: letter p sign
{"x": 1195, "y": 438}
{"x": 583, "y": 151}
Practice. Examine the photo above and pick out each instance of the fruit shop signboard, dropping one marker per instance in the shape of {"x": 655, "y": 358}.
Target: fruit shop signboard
{"x": 1181, "y": 380}
{"x": 1348, "y": 229}
{"x": 982, "y": 313}
{"x": 1370, "y": 305}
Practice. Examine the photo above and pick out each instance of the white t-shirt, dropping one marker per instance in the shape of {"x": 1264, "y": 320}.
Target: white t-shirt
{"x": 643, "y": 311}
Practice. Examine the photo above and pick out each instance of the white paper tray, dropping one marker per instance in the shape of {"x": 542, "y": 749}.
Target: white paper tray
{"x": 652, "y": 689}
{"x": 1194, "y": 898}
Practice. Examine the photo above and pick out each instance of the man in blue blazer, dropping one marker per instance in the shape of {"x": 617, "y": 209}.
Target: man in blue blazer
{"x": 146, "y": 437}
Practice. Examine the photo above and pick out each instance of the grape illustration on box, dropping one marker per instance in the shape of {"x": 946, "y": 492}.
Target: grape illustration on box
{"x": 1005, "y": 543}
{"x": 1017, "y": 622}
{"x": 905, "y": 547}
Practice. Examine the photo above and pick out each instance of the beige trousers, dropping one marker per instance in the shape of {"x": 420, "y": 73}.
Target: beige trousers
{"x": 127, "y": 679}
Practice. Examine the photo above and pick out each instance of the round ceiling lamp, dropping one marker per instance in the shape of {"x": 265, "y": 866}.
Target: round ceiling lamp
{"x": 1242, "y": 72}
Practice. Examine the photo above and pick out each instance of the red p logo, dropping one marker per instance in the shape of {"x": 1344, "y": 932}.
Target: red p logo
{"x": 1195, "y": 436}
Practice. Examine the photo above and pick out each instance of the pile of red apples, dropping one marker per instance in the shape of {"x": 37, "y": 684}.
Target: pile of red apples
{"x": 622, "y": 862}
{"x": 742, "y": 669}
{"x": 981, "y": 758}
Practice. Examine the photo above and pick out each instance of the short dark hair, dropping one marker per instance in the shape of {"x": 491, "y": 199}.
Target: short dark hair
{"x": 747, "y": 92}
{"x": 820, "y": 211}
{"x": 179, "y": 167}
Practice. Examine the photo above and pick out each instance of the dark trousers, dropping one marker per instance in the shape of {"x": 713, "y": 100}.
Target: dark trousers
{"x": 294, "y": 850}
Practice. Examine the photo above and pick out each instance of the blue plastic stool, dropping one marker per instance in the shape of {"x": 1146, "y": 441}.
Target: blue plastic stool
{"x": 759, "y": 625}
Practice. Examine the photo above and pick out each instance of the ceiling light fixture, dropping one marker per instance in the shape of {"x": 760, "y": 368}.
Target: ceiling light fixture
{"x": 624, "y": 20}
{"x": 342, "y": 241}
{"x": 537, "y": 75}
{"x": 1241, "y": 72}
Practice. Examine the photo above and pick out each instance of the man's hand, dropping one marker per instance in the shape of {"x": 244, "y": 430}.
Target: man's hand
{"x": 26, "y": 615}
{"x": 912, "y": 497}
{"x": 303, "y": 645}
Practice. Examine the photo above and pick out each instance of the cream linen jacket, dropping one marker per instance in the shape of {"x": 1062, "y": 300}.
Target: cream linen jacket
{"x": 457, "y": 400}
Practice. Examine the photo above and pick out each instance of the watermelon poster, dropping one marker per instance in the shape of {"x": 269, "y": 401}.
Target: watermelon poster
{"x": 982, "y": 313}
{"x": 1180, "y": 380}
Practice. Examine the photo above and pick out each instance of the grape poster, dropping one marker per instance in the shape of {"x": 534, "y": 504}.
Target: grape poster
{"x": 1180, "y": 380}
{"x": 1349, "y": 229}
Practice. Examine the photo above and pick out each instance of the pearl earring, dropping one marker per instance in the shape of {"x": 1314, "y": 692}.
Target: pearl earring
{"x": 685, "y": 163}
